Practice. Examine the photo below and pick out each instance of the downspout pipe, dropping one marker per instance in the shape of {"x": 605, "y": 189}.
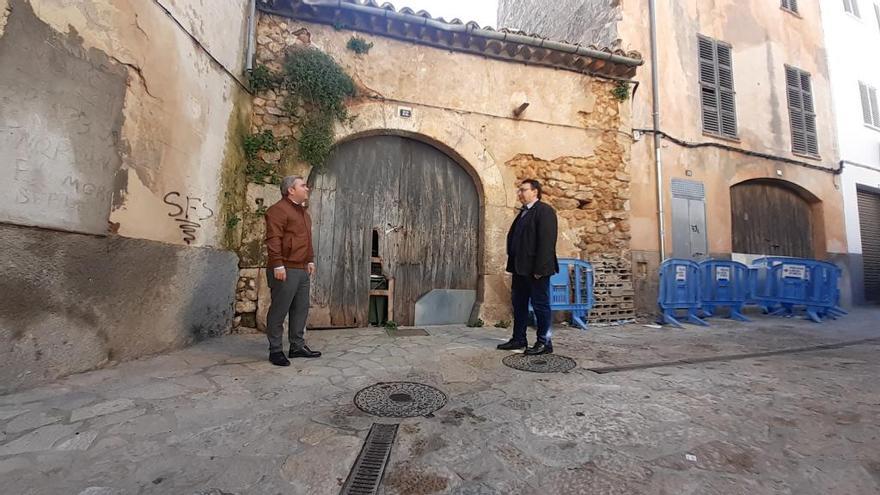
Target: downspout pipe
{"x": 251, "y": 36}
{"x": 658, "y": 162}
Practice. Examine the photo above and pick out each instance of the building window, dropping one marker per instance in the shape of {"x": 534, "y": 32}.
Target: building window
{"x": 804, "y": 139}
{"x": 870, "y": 109}
{"x": 716, "y": 88}
{"x": 790, "y": 5}
{"x": 852, "y": 6}
{"x": 877, "y": 13}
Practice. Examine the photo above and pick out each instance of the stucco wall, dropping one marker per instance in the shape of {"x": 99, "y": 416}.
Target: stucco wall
{"x": 859, "y": 144}
{"x": 463, "y": 104}
{"x": 116, "y": 121}
{"x": 764, "y": 40}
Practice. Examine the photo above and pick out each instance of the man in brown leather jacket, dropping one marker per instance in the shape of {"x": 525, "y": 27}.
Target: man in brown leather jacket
{"x": 291, "y": 264}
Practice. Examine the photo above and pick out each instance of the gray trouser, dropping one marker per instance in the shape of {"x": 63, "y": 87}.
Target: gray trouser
{"x": 290, "y": 297}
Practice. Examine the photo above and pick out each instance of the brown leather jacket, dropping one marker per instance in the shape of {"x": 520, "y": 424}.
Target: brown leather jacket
{"x": 289, "y": 235}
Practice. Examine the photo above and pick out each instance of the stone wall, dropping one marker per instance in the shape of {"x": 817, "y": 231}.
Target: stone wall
{"x": 572, "y": 137}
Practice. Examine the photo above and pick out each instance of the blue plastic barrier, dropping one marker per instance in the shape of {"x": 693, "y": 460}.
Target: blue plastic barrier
{"x": 572, "y": 290}
{"x": 781, "y": 285}
{"x": 724, "y": 284}
{"x": 679, "y": 290}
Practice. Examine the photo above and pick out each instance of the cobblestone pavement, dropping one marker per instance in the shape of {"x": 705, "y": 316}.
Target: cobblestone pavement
{"x": 702, "y": 419}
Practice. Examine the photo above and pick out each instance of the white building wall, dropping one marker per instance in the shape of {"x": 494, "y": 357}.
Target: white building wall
{"x": 853, "y": 45}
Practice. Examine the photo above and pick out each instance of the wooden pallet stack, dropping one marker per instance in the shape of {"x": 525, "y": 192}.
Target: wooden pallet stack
{"x": 613, "y": 290}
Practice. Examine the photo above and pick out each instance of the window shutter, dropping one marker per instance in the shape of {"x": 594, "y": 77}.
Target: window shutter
{"x": 792, "y": 4}
{"x": 877, "y": 13}
{"x": 866, "y": 103}
{"x": 708, "y": 86}
{"x": 725, "y": 86}
{"x": 717, "y": 95}
{"x": 875, "y": 110}
{"x": 804, "y": 135}
{"x": 855, "y": 8}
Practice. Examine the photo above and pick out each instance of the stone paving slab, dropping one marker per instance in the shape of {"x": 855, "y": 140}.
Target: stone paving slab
{"x": 218, "y": 419}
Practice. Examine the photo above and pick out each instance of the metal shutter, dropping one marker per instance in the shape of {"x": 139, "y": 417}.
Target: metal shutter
{"x": 790, "y": 5}
{"x": 804, "y": 137}
{"x": 869, "y": 224}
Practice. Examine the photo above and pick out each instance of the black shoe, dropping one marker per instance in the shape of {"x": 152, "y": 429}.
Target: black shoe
{"x": 538, "y": 348}
{"x": 304, "y": 352}
{"x": 510, "y": 345}
{"x": 278, "y": 359}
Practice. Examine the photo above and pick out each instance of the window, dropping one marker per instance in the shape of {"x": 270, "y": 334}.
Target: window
{"x": 716, "y": 88}
{"x": 877, "y": 13}
{"x": 870, "y": 110}
{"x": 790, "y": 5}
{"x": 851, "y": 6}
{"x": 804, "y": 140}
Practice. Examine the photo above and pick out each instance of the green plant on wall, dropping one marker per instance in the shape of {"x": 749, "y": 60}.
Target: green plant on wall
{"x": 359, "y": 45}
{"x": 318, "y": 83}
{"x": 262, "y": 78}
{"x": 620, "y": 92}
{"x": 256, "y": 169}
{"x": 232, "y": 221}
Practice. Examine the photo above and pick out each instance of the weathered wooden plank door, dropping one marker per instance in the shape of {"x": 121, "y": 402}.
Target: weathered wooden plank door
{"x": 770, "y": 219}
{"x": 425, "y": 209}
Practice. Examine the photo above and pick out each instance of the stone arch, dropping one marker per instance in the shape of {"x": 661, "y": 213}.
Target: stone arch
{"x": 467, "y": 178}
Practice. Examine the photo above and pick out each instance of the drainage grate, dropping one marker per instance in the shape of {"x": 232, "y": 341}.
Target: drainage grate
{"x": 407, "y": 332}
{"x": 542, "y": 363}
{"x": 399, "y": 399}
{"x": 369, "y": 467}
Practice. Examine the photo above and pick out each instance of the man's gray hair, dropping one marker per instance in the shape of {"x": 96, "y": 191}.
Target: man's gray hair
{"x": 288, "y": 182}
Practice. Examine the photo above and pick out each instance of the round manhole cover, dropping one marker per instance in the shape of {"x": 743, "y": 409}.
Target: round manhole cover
{"x": 399, "y": 399}
{"x": 542, "y": 363}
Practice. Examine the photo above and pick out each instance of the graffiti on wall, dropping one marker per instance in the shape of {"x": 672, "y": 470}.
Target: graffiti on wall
{"x": 188, "y": 212}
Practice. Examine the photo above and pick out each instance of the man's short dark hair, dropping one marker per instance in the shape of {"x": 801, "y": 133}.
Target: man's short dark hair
{"x": 534, "y": 185}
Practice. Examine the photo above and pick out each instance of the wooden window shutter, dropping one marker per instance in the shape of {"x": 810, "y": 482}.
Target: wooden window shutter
{"x": 866, "y": 103}
{"x": 877, "y": 13}
{"x": 875, "y": 110}
{"x": 708, "y": 86}
{"x": 804, "y": 135}
{"x": 717, "y": 96}
{"x": 727, "y": 105}
{"x": 851, "y": 6}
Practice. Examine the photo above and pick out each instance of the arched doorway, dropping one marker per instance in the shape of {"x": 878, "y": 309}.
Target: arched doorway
{"x": 397, "y": 200}
{"x": 772, "y": 217}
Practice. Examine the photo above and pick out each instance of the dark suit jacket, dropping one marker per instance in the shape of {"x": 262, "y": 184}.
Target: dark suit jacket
{"x": 536, "y": 250}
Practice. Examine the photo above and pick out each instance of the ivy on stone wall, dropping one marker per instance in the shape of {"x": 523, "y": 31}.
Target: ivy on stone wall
{"x": 315, "y": 84}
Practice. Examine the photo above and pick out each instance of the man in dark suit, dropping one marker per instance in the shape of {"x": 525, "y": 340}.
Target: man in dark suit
{"x": 531, "y": 258}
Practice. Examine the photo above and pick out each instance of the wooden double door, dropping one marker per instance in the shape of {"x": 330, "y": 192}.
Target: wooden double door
{"x": 408, "y": 200}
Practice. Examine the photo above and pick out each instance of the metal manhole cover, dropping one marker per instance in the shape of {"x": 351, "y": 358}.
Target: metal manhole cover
{"x": 542, "y": 363}
{"x": 399, "y": 399}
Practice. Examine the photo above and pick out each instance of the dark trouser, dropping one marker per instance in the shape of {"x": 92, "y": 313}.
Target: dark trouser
{"x": 289, "y": 298}
{"x": 536, "y": 290}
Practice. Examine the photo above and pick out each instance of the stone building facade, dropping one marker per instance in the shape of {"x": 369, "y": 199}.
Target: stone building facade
{"x": 717, "y": 189}
{"x": 459, "y": 87}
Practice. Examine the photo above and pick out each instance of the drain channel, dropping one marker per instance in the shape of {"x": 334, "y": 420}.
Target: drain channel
{"x": 730, "y": 357}
{"x": 367, "y": 471}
